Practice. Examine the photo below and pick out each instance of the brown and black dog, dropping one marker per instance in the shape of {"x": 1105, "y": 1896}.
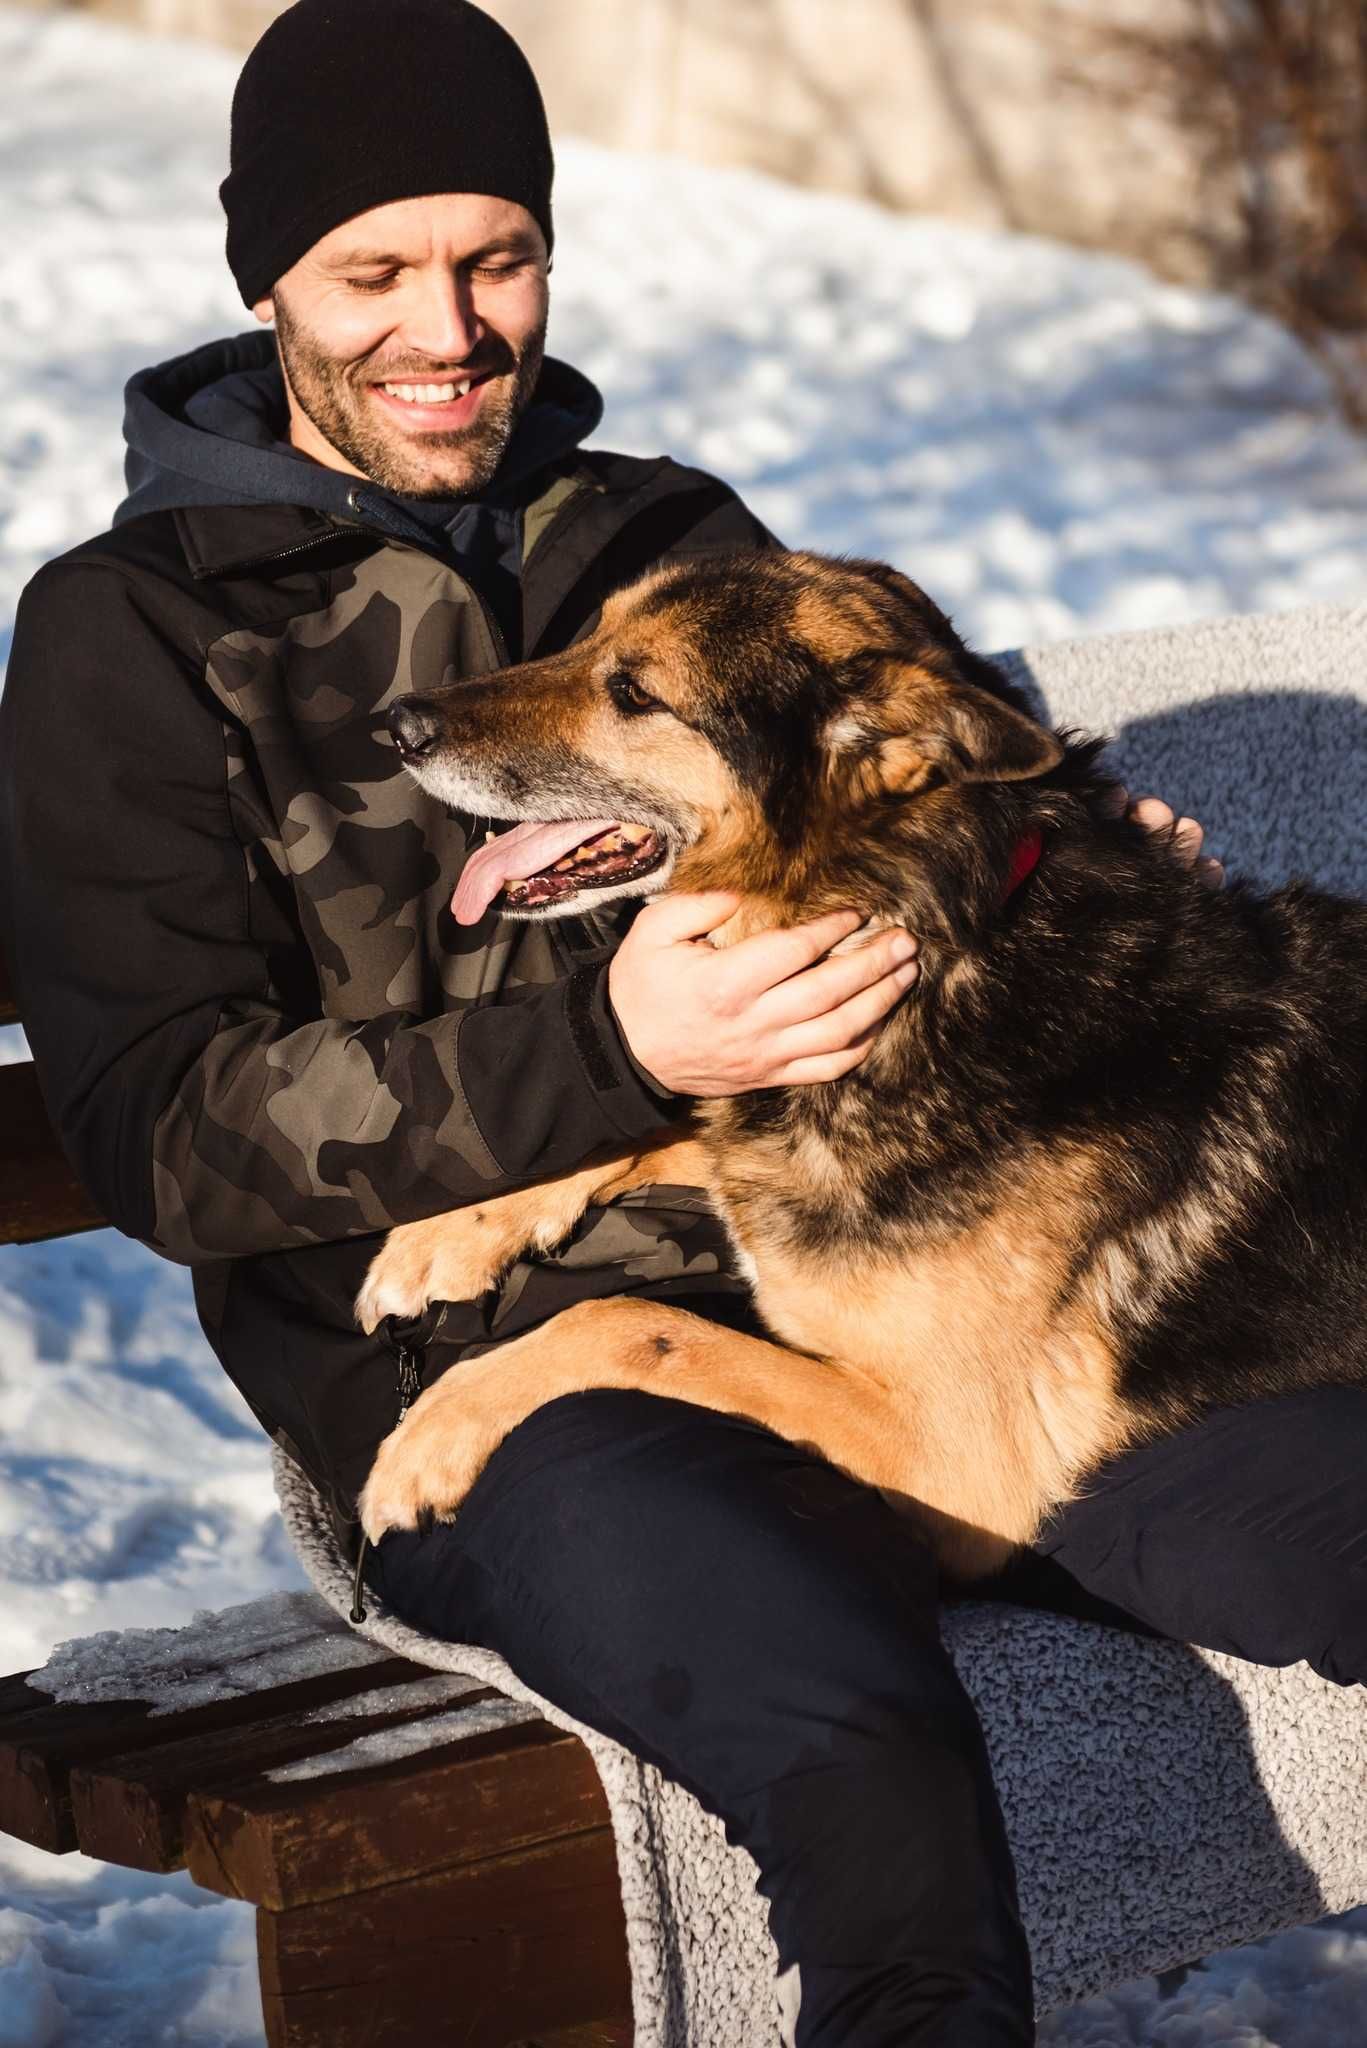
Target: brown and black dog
{"x": 1105, "y": 1165}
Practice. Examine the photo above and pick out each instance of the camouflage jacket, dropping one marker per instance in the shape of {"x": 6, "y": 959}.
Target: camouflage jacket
{"x": 261, "y": 1035}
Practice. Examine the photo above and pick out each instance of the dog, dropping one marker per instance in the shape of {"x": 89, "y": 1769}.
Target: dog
{"x": 1105, "y": 1164}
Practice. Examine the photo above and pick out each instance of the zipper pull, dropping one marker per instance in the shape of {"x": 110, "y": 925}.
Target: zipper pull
{"x": 357, "y": 1600}
{"x": 410, "y": 1380}
{"x": 410, "y": 1386}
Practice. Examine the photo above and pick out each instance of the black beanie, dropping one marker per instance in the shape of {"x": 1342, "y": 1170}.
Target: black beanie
{"x": 348, "y": 104}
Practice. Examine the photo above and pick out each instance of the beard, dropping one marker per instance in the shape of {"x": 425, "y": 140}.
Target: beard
{"x": 334, "y": 396}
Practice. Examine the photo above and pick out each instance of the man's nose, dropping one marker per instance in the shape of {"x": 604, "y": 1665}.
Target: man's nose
{"x": 415, "y": 725}
{"x": 444, "y": 324}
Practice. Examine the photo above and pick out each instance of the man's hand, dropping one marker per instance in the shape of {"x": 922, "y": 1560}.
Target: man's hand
{"x": 1187, "y": 835}
{"x": 774, "y": 1010}
{"x": 768, "y": 1012}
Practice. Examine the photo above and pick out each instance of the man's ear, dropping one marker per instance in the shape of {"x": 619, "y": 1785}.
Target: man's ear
{"x": 264, "y": 309}
{"x": 966, "y": 735}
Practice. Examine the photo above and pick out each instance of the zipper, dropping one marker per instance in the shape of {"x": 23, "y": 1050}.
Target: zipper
{"x": 423, "y": 545}
{"x": 393, "y": 540}
{"x": 337, "y": 528}
{"x": 500, "y": 645}
{"x": 408, "y": 1337}
{"x": 334, "y": 532}
{"x": 410, "y": 1378}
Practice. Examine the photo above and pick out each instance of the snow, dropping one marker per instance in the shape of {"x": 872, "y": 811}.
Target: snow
{"x": 387, "y": 1745}
{"x": 96, "y": 1957}
{"x": 134, "y": 1482}
{"x": 1305, "y": 1989}
{"x": 1053, "y": 442}
{"x": 434, "y": 1691}
{"x": 277, "y": 1640}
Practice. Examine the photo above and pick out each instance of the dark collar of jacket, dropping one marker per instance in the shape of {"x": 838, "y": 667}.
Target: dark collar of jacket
{"x": 616, "y": 516}
{"x": 205, "y": 447}
{"x": 210, "y": 429}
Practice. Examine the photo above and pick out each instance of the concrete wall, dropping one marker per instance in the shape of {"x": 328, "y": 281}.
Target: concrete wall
{"x": 999, "y": 111}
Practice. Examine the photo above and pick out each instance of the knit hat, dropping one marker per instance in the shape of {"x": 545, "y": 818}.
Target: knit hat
{"x": 348, "y": 104}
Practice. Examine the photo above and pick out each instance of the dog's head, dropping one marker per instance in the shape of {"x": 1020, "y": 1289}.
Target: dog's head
{"x": 740, "y": 722}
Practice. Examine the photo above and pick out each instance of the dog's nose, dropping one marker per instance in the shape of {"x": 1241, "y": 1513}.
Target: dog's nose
{"x": 414, "y": 724}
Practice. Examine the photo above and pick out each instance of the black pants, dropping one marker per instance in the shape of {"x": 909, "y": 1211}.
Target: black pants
{"x": 766, "y": 1631}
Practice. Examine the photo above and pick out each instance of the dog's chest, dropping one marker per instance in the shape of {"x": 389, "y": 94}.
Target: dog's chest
{"x": 966, "y": 1301}
{"x": 804, "y": 1200}
{"x": 835, "y": 1278}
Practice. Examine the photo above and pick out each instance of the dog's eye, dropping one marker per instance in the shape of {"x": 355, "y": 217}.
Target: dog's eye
{"x": 628, "y": 695}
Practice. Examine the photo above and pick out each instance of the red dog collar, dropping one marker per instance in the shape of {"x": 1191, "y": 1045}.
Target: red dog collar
{"x": 1024, "y": 861}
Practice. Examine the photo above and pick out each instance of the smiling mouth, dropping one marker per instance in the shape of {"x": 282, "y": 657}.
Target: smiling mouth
{"x": 536, "y": 865}
{"x": 430, "y": 393}
{"x": 433, "y": 402}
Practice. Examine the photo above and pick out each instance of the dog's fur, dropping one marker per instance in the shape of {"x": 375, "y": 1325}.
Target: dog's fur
{"x": 1104, "y": 1167}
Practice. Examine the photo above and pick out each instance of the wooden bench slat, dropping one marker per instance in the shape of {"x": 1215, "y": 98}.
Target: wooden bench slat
{"x": 39, "y": 1194}
{"x": 17, "y": 1696}
{"x": 42, "y": 1741}
{"x": 131, "y": 1809}
{"x": 597, "y": 2034}
{"x": 288, "y": 1845}
{"x": 541, "y": 1934}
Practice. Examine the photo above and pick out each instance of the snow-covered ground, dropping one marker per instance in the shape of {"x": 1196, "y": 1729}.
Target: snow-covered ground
{"x": 1052, "y": 442}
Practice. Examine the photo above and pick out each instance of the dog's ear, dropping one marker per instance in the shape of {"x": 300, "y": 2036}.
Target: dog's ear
{"x": 959, "y": 733}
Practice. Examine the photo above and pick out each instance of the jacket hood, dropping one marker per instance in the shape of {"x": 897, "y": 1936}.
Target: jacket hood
{"x": 208, "y": 428}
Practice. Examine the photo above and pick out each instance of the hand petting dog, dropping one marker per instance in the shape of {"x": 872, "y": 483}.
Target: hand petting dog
{"x": 771, "y": 1011}
{"x": 780, "y": 1009}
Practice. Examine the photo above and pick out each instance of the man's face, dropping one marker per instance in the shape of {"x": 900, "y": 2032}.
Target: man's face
{"x": 387, "y": 320}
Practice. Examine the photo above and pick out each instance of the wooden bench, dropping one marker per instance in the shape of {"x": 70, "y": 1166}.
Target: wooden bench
{"x": 465, "y": 1892}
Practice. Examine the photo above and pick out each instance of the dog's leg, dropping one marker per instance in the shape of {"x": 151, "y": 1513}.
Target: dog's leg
{"x": 978, "y": 1474}
{"x": 460, "y": 1254}
{"x": 429, "y": 1463}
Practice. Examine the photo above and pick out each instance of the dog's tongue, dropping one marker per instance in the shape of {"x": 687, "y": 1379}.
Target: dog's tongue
{"x": 513, "y": 856}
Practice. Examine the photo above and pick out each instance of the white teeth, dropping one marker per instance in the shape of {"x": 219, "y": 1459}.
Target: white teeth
{"x": 428, "y": 394}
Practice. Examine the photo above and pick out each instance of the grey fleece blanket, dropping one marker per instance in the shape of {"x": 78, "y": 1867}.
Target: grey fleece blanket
{"x": 1162, "y": 1802}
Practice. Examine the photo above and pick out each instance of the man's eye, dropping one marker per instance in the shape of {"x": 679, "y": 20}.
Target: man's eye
{"x": 371, "y": 284}
{"x": 497, "y": 270}
{"x": 628, "y": 695}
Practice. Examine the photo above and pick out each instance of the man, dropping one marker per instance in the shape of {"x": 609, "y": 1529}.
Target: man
{"x": 264, "y": 1039}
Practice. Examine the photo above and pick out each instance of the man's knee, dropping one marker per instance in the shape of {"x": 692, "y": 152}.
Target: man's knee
{"x": 698, "y": 1539}
{"x": 636, "y": 1493}
{"x": 1245, "y": 1533}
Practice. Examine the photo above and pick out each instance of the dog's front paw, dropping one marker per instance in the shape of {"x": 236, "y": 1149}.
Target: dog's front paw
{"x": 445, "y": 1258}
{"x": 426, "y": 1466}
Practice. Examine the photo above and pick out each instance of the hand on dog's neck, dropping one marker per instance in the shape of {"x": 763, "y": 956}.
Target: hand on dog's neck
{"x": 766, "y": 913}
{"x": 773, "y": 913}
{"x": 756, "y": 914}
